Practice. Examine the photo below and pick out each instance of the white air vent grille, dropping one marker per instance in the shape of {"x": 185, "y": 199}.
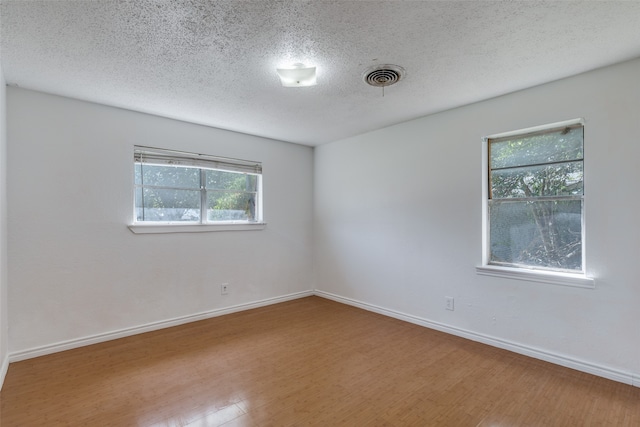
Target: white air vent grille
{"x": 383, "y": 75}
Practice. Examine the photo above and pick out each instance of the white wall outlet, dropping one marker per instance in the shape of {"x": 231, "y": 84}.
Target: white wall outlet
{"x": 224, "y": 289}
{"x": 448, "y": 301}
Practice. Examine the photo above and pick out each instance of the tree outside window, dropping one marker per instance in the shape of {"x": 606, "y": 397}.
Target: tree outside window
{"x": 535, "y": 205}
{"x": 178, "y": 187}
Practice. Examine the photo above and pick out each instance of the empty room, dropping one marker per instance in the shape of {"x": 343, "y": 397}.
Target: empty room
{"x": 319, "y": 213}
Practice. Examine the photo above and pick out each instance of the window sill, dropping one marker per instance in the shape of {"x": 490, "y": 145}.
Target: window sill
{"x": 159, "y": 228}
{"x": 553, "y": 278}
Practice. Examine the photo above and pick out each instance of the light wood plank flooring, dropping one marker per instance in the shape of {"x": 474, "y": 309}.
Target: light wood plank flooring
{"x": 308, "y": 362}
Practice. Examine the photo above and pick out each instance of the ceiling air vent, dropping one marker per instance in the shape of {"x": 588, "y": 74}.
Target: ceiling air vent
{"x": 383, "y": 75}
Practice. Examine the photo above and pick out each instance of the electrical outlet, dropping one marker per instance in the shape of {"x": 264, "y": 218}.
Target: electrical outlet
{"x": 448, "y": 303}
{"x": 224, "y": 289}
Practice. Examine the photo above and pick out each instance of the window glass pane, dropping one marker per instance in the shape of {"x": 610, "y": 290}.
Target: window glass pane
{"x": 138, "y": 174}
{"x": 230, "y": 206}
{"x": 170, "y": 176}
{"x": 195, "y": 191}
{"x": 169, "y": 205}
{"x": 563, "y": 179}
{"x": 536, "y": 149}
{"x": 223, "y": 180}
{"x": 539, "y": 234}
{"x": 139, "y": 212}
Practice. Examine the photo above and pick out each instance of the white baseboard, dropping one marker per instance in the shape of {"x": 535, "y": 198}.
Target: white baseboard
{"x": 108, "y": 336}
{"x": 558, "y": 359}
{"x": 3, "y": 370}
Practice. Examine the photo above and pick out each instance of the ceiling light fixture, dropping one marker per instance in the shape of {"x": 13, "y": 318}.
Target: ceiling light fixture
{"x": 297, "y": 76}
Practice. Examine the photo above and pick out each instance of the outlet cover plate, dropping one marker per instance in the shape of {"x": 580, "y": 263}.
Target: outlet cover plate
{"x": 449, "y": 303}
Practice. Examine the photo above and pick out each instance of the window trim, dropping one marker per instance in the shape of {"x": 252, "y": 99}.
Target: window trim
{"x": 201, "y": 162}
{"x": 577, "y": 279}
{"x": 190, "y": 227}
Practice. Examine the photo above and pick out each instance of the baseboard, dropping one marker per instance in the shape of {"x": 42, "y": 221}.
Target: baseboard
{"x": 108, "y": 336}
{"x": 591, "y": 368}
{"x": 3, "y": 370}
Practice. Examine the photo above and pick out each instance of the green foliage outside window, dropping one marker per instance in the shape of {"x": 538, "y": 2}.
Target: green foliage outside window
{"x": 174, "y": 194}
{"x": 535, "y": 200}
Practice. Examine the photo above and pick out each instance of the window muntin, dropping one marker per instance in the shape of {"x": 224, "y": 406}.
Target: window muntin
{"x": 535, "y": 199}
{"x": 177, "y": 187}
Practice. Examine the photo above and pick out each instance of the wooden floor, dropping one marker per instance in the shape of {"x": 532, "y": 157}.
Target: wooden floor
{"x": 309, "y": 362}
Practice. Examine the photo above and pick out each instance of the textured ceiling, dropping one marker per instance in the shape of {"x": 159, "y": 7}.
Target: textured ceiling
{"x": 214, "y": 63}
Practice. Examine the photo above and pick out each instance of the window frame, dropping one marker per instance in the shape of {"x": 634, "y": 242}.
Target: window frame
{"x": 201, "y": 162}
{"x": 548, "y": 276}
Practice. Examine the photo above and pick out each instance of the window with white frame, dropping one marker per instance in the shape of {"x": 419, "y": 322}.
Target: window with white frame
{"x": 535, "y": 199}
{"x": 174, "y": 187}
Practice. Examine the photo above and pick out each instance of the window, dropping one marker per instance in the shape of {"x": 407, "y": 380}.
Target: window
{"x": 173, "y": 187}
{"x": 534, "y": 208}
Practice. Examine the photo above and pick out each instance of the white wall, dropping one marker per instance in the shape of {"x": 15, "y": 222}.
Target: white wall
{"x": 398, "y": 224}
{"x": 75, "y": 268}
{"x": 4, "y": 323}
